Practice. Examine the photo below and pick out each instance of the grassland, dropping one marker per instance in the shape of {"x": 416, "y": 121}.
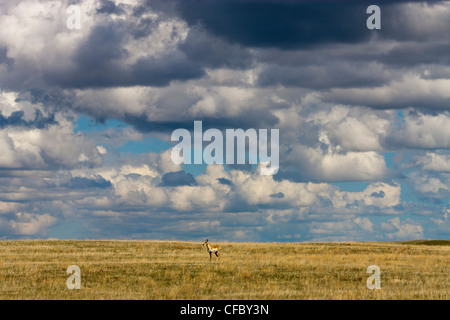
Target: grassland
{"x": 182, "y": 270}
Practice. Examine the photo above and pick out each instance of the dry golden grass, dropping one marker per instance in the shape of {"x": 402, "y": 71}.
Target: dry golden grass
{"x": 182, "y": 270}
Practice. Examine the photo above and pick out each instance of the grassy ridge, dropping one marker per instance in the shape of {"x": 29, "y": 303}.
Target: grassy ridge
{"x": 182, "y": 270}
{"x": 428, "y": 242}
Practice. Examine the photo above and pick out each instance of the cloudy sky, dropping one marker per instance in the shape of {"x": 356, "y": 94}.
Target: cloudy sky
{"x": 86, "y": 117}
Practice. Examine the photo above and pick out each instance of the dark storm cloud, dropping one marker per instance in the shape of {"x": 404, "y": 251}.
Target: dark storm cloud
{"x": 109, "y": 7}
{"x": 279, "y": 195}
{"x": 96, "y": 60}
{"x": 86, "y": 183}
{"x": 324, "y": 76}
{"x": 225, "y": 181}
{"x": 418, "y": 95}
{"x": 17, "y": 119}
{"x": 296, "y": 24}
{"x": 50, "y": 98}
{"x": 247, "y": 119}
{"x": 292, "y": 175}
{"x": 98, "y": 63}
{"x": 161, "y": 71}
{"x": 4, "y": 58}
{"x": 313, "y": 44}
{"x": 413, "y": 54}
{"x": 179, "y": 178}
{"x": 364, "y": 65}
{"x": 143, "y": 28}
{"x": 399, "y": 55}
{"x": 103, "y": 45}
{"x": 286, "y": 24}
{"x": 221, "y": 34}
{"x": 214, "y": 52}
{"x": 379, "y": 194}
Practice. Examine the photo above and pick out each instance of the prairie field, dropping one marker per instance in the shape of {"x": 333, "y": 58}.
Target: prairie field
{"x": 169, "y": 270}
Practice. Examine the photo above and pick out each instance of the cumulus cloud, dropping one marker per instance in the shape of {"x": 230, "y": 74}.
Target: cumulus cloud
{"x": 53, "y": 147}
{"x": 435, "y": 162}
{"x": 420, "y": 130}
{"x": 402, "y": 230}
{"x": 329, "y": 165}
{"x": 26, "y": 224}
{"x": 430, "y": 186}
{"x": 412, "y": 91}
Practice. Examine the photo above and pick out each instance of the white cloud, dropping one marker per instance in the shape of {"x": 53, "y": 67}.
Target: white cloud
{"x": 330, "y": 165}
{"x": 430, "y": 186}
{"x": 403, "y": 230}
{"x": 435, "y": 162}
{"x": 382, "y": 194}
{"x": 365, "y": 223}
{"x": 37, "y": 38}
{"x": 411, "y": 91}
{"x": 47, "y": 148}
{"x": 9, "y": 207}
{"x": 422, "y": 131}
{"x": 26, "y": 224}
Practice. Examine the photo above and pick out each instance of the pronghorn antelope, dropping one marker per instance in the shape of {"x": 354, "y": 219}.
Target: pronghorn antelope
{"x": 212, "y": 249}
